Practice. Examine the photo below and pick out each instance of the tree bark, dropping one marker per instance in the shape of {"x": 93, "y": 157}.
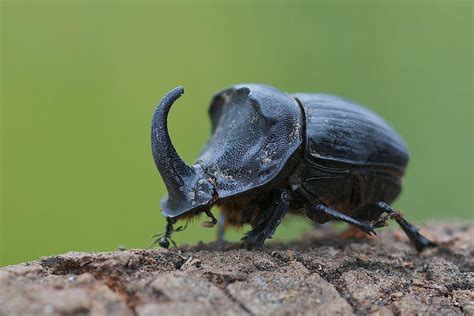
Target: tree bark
{"x": 321, "y": 274}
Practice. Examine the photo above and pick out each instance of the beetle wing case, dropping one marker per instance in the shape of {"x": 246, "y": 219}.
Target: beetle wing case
{"x": 343, "y": 131}
{"x": 256, "y": 130}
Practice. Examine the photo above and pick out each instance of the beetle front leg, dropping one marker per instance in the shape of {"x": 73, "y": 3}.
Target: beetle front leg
{"x": 164, "y": 239}
{"x": 373, "y": 211}
{"x": 259, "y": 234}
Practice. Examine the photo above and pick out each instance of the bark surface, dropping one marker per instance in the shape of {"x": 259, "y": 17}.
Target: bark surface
{"x": 321, "y": 274}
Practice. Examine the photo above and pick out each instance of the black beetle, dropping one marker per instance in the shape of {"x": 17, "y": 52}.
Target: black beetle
{"x": 271, "y": 153}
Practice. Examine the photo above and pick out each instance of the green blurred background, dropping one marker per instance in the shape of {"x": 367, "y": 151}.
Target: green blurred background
{"x": 80, "y": 80}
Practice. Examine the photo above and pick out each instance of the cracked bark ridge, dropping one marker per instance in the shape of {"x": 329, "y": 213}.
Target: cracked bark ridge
{"x": 319, "y": 275}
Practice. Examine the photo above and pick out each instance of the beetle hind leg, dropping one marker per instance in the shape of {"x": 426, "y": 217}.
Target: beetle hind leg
{"x": 373, "y": 211}
{"x": 322, "y": 213}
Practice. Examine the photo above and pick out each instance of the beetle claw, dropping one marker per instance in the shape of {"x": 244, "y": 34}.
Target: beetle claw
{"x": 369, "y": 229}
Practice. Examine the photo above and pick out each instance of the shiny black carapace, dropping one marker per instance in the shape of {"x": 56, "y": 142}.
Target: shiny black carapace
{"x": 271, "y": 153}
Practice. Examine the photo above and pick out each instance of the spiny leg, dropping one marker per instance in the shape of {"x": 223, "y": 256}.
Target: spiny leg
{"x": 373, "y": 211}
{"x": 266, "y": 229}
{"x": 322, "y": 211}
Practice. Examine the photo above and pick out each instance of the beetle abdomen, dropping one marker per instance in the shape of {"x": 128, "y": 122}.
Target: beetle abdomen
{"x": 352, "y": 155}
{"x": 347, "y": 187}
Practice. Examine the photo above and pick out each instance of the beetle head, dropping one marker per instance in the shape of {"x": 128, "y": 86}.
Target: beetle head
{"x": 188, "y": 186}
{"x": 256, "y": 130}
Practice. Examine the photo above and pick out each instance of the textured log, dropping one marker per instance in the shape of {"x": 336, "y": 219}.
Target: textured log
{"x": 320, "y": 274}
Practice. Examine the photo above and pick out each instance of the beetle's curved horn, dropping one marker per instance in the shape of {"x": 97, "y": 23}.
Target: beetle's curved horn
{"x": 171, "y": 167}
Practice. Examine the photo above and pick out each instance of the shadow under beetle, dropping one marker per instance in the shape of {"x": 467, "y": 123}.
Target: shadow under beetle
{"x": 271, "y": 153}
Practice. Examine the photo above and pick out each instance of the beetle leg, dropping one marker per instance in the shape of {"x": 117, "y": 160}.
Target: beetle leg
{"x": 259, "y": 234}
{"x": 258, "y": 223}
{"x": 221, "y": 229}
{"x": 333, "y": 214}
{"x": 212, "y": 222}
{"x": 369, "y": 212}
{"x": 411, "y": 231}
{"x": 278, "y": 215}
{"x": 254, "y": 238}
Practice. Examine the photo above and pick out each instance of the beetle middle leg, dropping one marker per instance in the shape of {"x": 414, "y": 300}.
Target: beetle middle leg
{"x": 373, "y": 211}
{"x": 266, "y": 229}
{"x": 221, "y": 229}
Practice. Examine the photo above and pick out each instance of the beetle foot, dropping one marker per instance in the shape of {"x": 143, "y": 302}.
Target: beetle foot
{"x": 368, "y": 228}
{"x": 253, "y": 241}
{"x": 420, "y": 241}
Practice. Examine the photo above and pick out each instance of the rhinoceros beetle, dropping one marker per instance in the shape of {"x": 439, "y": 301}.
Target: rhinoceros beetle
{"x": 271, "y": 153}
